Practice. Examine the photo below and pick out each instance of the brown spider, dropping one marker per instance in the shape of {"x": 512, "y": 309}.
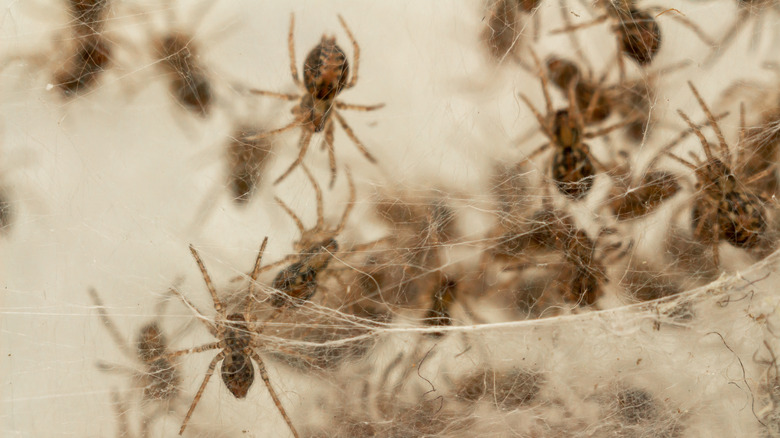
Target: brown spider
{"x": 638, "y": 33}
{"x": 314, "y": 250}
{"x": 632, "y": 99}
{"x": 237, "y": 338}
{"x": 726, "y": 208}
{"x": 178, "y": 56}
{"x": 83, "y": 68}
{"x": 325, "y": 73}
{"x": 246, "y": 161}
{"x": 93, "y": 50}
{"x": 573, "y": 166}
{"x": 160, "y": 378}
{"x": 504, "y": 25}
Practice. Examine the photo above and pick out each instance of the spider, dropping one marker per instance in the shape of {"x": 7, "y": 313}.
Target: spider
{"x": 178, "y": 56}
{"x": 633, "y": 99}
{"x": 504, "y": 25}
{"x": 637, "y": 32}
{"x": 84, "y": 67}
{"x": 160, "y": 377}
{"x": 246, "y": 161}
{"x": 573, "y": 166}
{"x": 755, "y": 10}
{"x": 237, "y": 338}
{"x": 314, "y": 250}
{"x": 325, "y": 73}
{"x": 725, "y": 208}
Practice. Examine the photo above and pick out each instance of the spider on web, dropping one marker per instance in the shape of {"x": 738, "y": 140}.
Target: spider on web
{"x": 238, "y": 337}
{"x": 325, "y": 73}
{"x": 726, "y": 206}
{"x": 159, "y": 378}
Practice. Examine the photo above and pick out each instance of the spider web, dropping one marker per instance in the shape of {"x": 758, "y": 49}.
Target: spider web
{"x": 107, "y": 189}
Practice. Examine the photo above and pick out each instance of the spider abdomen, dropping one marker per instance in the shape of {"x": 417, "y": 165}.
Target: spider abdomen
{"x": 640, "y": 36}
{"x": 573, "y": 171}
{"x": 296, "y": 283}
{"x": 325, "y": 70}
{"x": 741, "y": 219}
{"x": 238, "y": 373}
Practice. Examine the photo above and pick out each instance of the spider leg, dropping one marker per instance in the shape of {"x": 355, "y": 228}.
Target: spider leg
{"x": 120, "y": 409}
{"x": 542, "y": 122}
{"x": 575, "y": 43}
{"x": 295, "y": 218}
{"x": 201, "y": 317}
{"x": 352, "y": 107}
{"x": 283, "y": 96}
{"x": 291, "y": 49}
{"x": 350, "y": 205}
{"x": 714, "y": 123}
{"x": 252, "y": 281}
{"x": 113, "y": 331}
{"x": 704, "y": 143}
{"x": 303, "y": 144}
{"x": 665, "y": 150}
{"x": 608, "y": 129}
{"x": 331, "y": 155}
{"x": 572, "y": 28}
{"x": 202, "y": 348}
{"x": 695, "y": 28}
{"x": 355, "y": 56}
{"x": 221, "y": 311}
{"x": 292, "y": 125}
{"x": 728, "y": 36}
{"x": 759, "y": 176}
{"x": 271, "y": 391}
{"x": 195, "y": 401}
{"x": 533, "y": 154}
{"x": 543, "y": 78}
{"x": 353, "y": 137}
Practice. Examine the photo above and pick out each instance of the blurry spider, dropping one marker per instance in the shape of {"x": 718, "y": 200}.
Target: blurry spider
{"x": 325, "y": 73}
{"x": 587, "y": 273}
{"x": 93, "y": 49}
{"x": 755, "y": 10}
{"x": 83, "y": 68}
{"x": 246, "y": 160}
{"x": 315, "y": 248}
{"x": 504, "y": 25}
{"x": 237, "y": 338}
{"x": 573, "y": 166}
{"x": 159, "y": 378}
{"x": 637, "y": 32}
{"x": 725, "y": 208}
{"x": 179, "y": 58}
{"x": 633, "y": 99}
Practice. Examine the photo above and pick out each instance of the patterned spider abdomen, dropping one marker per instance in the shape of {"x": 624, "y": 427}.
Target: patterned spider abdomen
{"x": 238, "y": 373}
{"x": 237, "y": 370}
{"x": 573, "y": 172}
{"x": 298, "y": 282}
{"x": 640, "y": 36}
{"x": 325, "y": 70}
{"x": 295, "y": 283}
{"x": 741, "y": 219}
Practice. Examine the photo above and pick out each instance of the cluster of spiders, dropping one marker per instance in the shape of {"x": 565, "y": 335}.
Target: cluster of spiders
{"x": 539, "y": 256}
